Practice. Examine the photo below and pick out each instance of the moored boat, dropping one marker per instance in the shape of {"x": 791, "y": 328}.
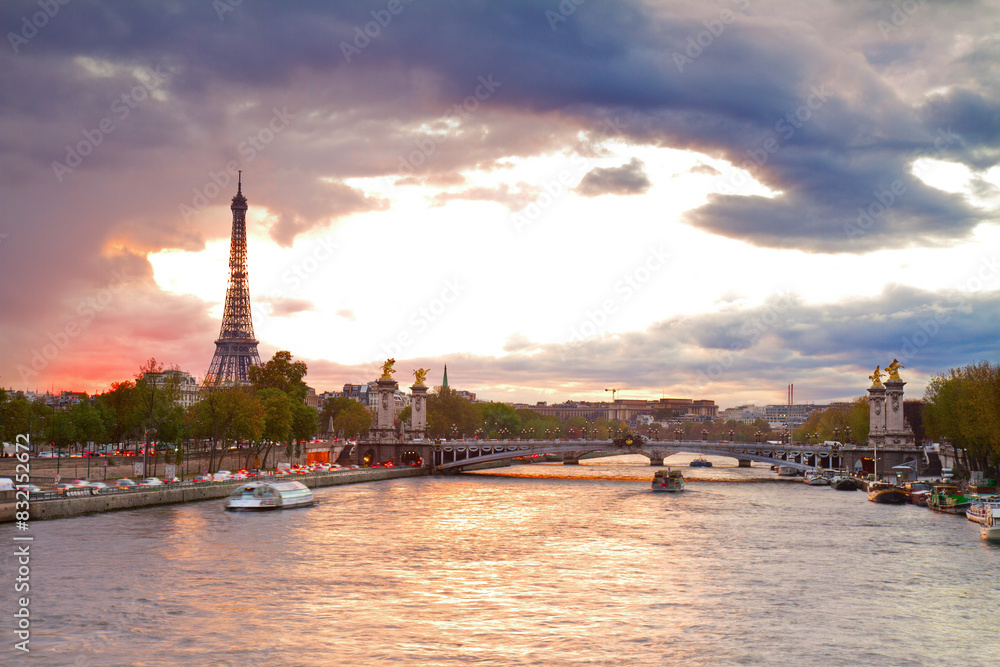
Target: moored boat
{"x": 260, "y": 496}
{"x": 990, "y": 530}
{"x": 884, "y": 492}
{"x": 844, "y": 483}
{"x": 917, "y": 492}
{"x": 787, "y": 471}
{"x": 815, "y": 478}
{"x": 668, "y": 480}
{"x": 947, "y": 498}
{"x": 981, "y": 507}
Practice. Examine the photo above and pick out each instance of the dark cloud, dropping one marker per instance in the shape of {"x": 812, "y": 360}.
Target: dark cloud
{"x": 816, "y": 101}
{"x": 826, "y": 350}
{"x": 628, "y": 179}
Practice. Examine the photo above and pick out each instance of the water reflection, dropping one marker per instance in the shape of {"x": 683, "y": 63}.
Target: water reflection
{"x": 519, "y": 571}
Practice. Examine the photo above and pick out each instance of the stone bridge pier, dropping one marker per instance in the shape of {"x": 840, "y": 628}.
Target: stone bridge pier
{"x": 655, "y": 456}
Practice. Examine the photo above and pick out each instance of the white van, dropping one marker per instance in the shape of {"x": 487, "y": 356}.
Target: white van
{"x": 6, "y": 484}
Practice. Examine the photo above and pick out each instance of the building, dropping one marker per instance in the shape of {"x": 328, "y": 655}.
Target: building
{"x": 782, "y": 416}
{"x": 744, "y": 414}
{"x": 628, "y": 410}
{"x": 311, "y": 399}
{"x": 62, "y": 401}
{"x": 188, "y": 390}
{"x": 362, "y": 393}
{"x": 367, "y": 395}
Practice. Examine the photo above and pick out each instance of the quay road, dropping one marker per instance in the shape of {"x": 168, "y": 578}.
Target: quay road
{"x": 53, "y": 505}
{"x": 455, "y": 455}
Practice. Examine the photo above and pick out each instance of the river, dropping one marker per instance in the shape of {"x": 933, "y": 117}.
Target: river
{"x": 564, "y": 565}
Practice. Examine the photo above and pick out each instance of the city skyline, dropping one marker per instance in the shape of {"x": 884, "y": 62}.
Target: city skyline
{"x": 702, "y": 201}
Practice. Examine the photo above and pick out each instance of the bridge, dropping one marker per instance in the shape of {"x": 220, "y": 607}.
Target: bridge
{"x": 458, "y": 454}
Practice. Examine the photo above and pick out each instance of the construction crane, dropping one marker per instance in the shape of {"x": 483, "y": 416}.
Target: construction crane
{"x": 618, "y": 389}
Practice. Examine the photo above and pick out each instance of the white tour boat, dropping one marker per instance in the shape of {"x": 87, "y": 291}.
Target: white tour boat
{"x": 257, "y": 496}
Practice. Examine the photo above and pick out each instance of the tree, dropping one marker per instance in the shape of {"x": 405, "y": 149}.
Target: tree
{"x": 304, "y": 424}
{"x": 277, "y": 406}
{"x": 497, "y": 417}
{"x": 964, "y": 407}
{"x": 354, "y": 419}
{"x": 280, "y": 373}
{"x": 87, "y": 423}
{"x": 228, "y": 412}
{"x": 121, "y": 411}
{"x": 450, "y": 415}
{"x": 332, "y": 408}
{"x": 576, "y": 427}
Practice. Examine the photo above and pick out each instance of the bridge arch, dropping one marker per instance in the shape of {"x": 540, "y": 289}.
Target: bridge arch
{"x": 454, "y": 456}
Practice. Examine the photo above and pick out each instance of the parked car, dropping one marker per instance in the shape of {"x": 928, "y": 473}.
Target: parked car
{"x": 151, "y": 482}
{"x": 125, "y": 483}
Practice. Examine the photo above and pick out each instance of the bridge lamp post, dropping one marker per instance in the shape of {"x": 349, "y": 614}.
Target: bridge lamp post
{"x": 732, "y": 434}
{"x": 704, "y": 435}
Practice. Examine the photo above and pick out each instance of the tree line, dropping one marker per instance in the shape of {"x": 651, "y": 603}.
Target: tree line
{"x": 268, "y": 412}
{"x": 963, "y": 407}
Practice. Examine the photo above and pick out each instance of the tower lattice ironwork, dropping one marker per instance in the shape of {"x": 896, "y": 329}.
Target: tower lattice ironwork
{"x": 236, "y": 348}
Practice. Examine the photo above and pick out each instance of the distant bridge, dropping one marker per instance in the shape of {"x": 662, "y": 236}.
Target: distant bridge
{"x": 458, "y": 454}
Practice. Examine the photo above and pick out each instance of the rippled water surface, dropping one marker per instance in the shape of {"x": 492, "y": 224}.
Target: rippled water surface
{"x": 582, "y": 565}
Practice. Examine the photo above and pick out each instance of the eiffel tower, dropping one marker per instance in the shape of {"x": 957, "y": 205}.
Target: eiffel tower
{"x": 236, "y": 348}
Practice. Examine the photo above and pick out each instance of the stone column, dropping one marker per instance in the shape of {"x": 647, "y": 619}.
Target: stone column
{"x": 385, "y": 414}
{"x": 876, "y": 418}
{"x": 876, "y": 411}
{"x": 418, "y": 411}
{"x": 894, "y": 406}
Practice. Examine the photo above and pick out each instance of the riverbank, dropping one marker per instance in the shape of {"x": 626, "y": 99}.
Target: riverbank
{"x": 183, "y": 493}
{"x": 108, "y": 469}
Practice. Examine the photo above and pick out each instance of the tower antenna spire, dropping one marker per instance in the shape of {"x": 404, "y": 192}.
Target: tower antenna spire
{"x": 239, "y": 183}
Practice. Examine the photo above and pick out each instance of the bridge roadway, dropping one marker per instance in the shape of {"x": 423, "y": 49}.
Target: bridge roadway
{"x": 458, "y": 454}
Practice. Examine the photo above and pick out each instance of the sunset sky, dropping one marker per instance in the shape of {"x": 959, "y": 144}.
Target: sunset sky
{"x": 691, "y": 199}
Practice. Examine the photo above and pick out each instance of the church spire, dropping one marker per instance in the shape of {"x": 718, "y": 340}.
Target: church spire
{"x": 444, "y": 382}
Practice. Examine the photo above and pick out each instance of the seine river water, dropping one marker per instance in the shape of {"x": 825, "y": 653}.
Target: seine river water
{"x": 566, "y": 565}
